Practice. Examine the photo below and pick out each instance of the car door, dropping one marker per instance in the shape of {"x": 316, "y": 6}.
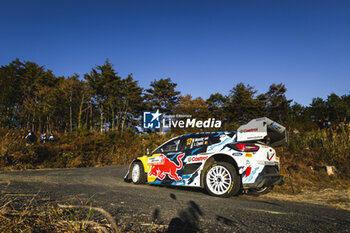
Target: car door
{"x": 196, "y": 144}
{"x": 167, "y": 162}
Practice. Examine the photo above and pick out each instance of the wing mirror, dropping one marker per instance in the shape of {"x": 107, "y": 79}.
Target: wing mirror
{"x": 147, "y": 151}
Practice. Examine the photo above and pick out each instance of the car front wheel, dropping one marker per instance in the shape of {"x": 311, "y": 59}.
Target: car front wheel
{"x": 138, "y": 175}
{"x": 222, "y": 180}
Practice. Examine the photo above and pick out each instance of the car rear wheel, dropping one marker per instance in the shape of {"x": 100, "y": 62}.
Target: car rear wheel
{"x": 138, "y": 175}
{"x": 222, "y": 180}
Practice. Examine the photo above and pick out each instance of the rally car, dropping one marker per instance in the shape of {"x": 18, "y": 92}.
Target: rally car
{"x": 224, "y": 163}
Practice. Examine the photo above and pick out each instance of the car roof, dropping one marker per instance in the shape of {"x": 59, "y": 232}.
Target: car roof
{"x": 208, "y": 133}
{"x": 215, "y": 133}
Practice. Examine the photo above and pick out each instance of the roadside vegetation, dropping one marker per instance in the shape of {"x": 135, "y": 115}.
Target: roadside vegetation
{"x": 29, "y": 213}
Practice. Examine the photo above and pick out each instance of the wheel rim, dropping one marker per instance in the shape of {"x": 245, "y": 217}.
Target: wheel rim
{"x": 219, "y": 180}
{"x": 135, "y": 173}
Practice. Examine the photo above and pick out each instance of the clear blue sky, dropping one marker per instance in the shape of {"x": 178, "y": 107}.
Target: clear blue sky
{"x": 204, "y": 46}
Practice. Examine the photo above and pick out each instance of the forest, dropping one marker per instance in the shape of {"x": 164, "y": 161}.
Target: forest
{"x": 97, "y": 118}
{"x": 32, "y": 97}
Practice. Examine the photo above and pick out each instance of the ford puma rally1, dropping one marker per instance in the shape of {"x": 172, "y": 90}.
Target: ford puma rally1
{"x": 224, "y": 163}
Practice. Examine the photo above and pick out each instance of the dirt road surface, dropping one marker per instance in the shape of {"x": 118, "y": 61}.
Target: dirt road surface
{"x": 176, "y": 209}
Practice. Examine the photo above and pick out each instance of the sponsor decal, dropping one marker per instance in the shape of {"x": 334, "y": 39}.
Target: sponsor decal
{"x": 251, "y": 175}
{"x": 237, "y": 154}
{"x": 196, "y": 158}
{"x": 248, "y": 171}
{"x": 223, "y": 142}
{"x": 249, "y": 155}
{"x": 254, "y": 137}
{"x": 168, "y": 167}
{"x": 263, "y": 162}
{"x": 198, "y": 142}
{"x": 248, "y": 130}
{"x": 155, "y": 160}
{"x": 270, "y": 163}
{"x": 274, "y": 126}
{"x": 189, "y": 141}
{"x": 270, "y": 157}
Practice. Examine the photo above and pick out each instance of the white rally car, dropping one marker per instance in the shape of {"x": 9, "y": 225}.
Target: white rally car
{"x": 224, "y": 163}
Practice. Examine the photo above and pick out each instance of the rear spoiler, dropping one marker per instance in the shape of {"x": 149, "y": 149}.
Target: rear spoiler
{"x": 265, "y": 130}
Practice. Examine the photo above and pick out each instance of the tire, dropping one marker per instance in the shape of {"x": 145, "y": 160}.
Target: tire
{"x": 222, "y": 180}
{"x": 137, "y": 173}
{"x": 261, "y": 191}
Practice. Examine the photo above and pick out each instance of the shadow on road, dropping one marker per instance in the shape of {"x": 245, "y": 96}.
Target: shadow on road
{"x": 187, "y": 219}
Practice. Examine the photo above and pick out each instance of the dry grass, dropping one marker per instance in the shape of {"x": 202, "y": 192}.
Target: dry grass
{"x": 30, "y": 213}
{"x": 328, "y": 196}
{"x": 25, "y": 213}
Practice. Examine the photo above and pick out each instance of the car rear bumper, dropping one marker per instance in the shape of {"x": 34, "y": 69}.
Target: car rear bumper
{"x": 266, "y": 180}
{"x": 269, "y": 177}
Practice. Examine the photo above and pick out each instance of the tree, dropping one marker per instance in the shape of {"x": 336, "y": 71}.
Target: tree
{"x": 76, "y": 95}
{"x": 276, "y": 102}
{"x": 216, "y": 105}
{"x": 162, "y": 96}
{"x": 318, "y": 109}
{"x": 119, "y": 100}
{"x": 197, "y": 107}
{"x": 242, "y": 106}
{"x": 130, "y": 102}
{"x": 37, "y": 85}
{"x": 337, "y": 108}
{"x": 101, "y": 80}
{"x": 11, "y": 93}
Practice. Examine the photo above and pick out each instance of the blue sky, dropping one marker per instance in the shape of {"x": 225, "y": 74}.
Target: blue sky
{"x": 204, "y": 46}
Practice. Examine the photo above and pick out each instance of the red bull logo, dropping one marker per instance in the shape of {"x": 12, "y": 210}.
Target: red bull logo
{"x": 167, "y": 167}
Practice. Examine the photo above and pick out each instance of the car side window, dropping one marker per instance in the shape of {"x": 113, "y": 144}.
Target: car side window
{"x": 173, "y": 145}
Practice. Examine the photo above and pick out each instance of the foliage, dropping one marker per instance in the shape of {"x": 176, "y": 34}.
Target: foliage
{"x": 162, "y": 95}
{"x": 80, "y": 149}
{"x": 323, "y": 147}
{"x": 242, "y": 106}
{"x": 197, "y": 108}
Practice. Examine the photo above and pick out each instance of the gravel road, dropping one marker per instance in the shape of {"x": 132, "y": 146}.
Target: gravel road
{"x": 179, "y": 209}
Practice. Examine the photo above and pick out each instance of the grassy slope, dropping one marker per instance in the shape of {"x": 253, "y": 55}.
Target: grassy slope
{"x": 306, "y": 149}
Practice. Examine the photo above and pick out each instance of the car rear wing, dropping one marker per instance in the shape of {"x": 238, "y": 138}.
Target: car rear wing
{"x": 265, "y": 130}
